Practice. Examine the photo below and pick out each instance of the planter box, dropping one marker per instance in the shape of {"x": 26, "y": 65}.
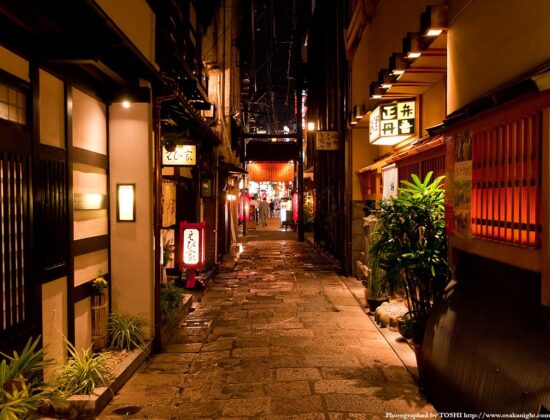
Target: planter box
{"x": 79, "y": 406}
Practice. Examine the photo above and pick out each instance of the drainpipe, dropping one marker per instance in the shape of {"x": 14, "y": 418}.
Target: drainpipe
{"x": 157, "y": 215}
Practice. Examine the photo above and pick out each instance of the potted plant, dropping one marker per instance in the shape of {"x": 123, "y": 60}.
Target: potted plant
{"x": 99, "y": 312}
{"x": 381, "y": 283}
{"x": 412, "y": 242}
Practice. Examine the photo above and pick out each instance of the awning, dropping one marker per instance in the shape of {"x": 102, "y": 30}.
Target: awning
{"x": 270, "y": 171}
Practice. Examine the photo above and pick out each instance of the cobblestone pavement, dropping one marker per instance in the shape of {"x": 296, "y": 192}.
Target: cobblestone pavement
{"x": 279, "y": 336}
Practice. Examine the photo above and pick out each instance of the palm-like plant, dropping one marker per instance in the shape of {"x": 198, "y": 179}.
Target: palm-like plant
{"x": 21, "y": 389}
{"x": 412, "y": 242}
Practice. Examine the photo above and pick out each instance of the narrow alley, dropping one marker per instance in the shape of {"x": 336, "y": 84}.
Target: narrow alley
{"x": 278, "y": 336}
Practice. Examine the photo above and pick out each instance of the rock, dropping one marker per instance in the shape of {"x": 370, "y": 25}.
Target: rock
{"x": 387, "y": 313}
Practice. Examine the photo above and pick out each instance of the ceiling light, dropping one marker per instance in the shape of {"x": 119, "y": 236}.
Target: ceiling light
{"x": 375, "y": 96}
{"x": 414, "y": 54}
{"x": 386, "y": 85}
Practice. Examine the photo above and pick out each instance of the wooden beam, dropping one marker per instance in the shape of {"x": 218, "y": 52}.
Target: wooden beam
{"x": 270, "y": 136}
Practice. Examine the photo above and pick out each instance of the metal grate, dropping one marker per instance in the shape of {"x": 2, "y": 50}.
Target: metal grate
{"x": 506, "y": 183}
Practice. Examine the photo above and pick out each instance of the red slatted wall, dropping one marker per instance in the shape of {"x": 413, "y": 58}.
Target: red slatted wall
{"x": 506, "y": 182}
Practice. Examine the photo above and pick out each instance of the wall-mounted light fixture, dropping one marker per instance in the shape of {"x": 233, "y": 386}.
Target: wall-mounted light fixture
{"x": 310, "y": 126}
{"x": 434, "y": 20}
{"x": 397, "y": 65}
{"x": 129, "y": 95}
{"x": 206, "y": 187}
{"x": 358, "y": 111}
{"x": 385, "y": 79}
{"x": 89, "y": 201}
{"x": 412, "y": 45}
{"x": 375, "y": 91}
{"x": 125, "y": 202}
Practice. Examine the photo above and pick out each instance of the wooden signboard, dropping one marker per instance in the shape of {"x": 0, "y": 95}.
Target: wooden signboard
{"x": 326, "y": 140}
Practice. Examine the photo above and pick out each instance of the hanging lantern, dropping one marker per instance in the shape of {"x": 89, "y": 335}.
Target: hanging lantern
{"x": 246, "y": 207}
{"x": 192, "y": 249}
{"x": 295, "y": 206}
{"x": 241, "y": 207}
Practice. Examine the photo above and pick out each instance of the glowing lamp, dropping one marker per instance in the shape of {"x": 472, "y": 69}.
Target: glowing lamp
{"x": 295, "y": 206}
{"x": 244, "y": 207}
{"x": 126, "y": 202}
{"x": 192, "y": 249}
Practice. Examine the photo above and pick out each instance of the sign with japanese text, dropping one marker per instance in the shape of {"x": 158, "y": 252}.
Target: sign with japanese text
{"x": 389, "y": 124}
{"x": 192, "y": 245}
{"x": 182, "y": 155}
{"x": 326, "y": 140}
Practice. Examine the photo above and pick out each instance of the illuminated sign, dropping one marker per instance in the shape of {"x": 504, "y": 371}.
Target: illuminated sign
{"x": 192, "y": 249}
{"x": 182, "y": 155}
{"x": 192, "y": 245}
{"x": 392, "y": 123}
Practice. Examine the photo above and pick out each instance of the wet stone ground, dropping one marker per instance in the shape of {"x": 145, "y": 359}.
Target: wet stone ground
{"x": 277, "y": 336}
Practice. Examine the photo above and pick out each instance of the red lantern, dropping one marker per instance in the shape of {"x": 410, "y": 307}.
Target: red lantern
{"x": 241, "y": 207}
{"x": 192, "y": 249}
{"x": 264, "y": 195}
{"x": 246, "y": 207}
{"x": 295, "y": 206}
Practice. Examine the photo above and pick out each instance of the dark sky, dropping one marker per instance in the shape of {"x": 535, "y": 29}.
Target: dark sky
{"x": 270, "y": 64}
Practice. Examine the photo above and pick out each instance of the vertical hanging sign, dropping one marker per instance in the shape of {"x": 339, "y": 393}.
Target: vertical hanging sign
{"x": 192, "y": 249}
{"x": 295, "y": 207}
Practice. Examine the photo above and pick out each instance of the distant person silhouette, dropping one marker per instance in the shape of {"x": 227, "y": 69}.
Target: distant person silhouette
{"x": 264, "y": 212}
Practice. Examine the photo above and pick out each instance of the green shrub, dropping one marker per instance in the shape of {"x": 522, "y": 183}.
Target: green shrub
{"x": 83, "y": 372}
{"x": 412, "y": 243}
{"x": 22, "y": 391}
{"x": 170, "y": 300}
{"x": 126, "y": 331}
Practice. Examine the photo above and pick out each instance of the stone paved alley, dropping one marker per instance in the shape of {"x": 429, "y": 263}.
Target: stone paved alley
{"x": 280, "y": 336}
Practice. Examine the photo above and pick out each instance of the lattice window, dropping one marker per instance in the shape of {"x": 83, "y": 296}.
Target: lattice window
{"x": 506, "y": 182}
{"x": 14, "y": 201}
{"x": 52, "y": 216}
{"x": 13, "y": 104}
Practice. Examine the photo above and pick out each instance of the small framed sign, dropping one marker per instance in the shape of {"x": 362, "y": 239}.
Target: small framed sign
{"x": 182, "y": 155}
{"x": 326, "y": 140}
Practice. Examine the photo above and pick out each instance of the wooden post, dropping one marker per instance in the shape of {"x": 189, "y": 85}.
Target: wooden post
{"x": 100, "y": 313}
